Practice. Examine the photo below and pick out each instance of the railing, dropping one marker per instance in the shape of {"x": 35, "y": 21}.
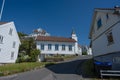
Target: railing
{"x": 109, "y": 73}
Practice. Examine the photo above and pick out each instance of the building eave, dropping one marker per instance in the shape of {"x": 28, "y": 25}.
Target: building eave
{"x": 92, "y": 24}
{"x": 54, "y": 39}
{"x": 96, "y": 10}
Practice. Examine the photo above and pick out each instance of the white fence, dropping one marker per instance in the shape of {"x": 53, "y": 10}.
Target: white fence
{"x": 109, "y": 73}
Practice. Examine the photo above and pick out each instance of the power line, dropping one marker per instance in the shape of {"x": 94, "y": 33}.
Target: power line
{"x": 2, "y": 9}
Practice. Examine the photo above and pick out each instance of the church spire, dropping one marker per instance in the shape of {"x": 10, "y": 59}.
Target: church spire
{"x": 73, "y": 31}
{"x": 73, "y": 35}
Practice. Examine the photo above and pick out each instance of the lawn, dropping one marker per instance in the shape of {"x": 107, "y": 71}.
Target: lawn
{"x": 9, "y": 69}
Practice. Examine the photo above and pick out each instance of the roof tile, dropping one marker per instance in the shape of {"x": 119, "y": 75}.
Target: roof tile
{"x": 54, "y": 39}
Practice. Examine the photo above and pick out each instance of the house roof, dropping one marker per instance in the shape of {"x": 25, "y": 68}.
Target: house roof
{"x": 54, "y": 39}
{"x": 3, "y": 23}
{"x": 115, "y": 9}
{"x": 105, "y": 8}
{"x": 7, "y": 24}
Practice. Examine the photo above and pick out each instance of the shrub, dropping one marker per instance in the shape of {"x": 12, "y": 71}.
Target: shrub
{"x": 84, "y": 53}
{"x": 88, "y": 68}
{"x": 34, "y": 55}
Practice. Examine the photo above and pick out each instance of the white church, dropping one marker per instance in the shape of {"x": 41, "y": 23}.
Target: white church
{"x": 57, "y": 45}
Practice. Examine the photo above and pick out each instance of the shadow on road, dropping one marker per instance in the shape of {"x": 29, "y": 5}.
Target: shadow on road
{"x": 70, "y": 67}
{"x": 65, "y": 68}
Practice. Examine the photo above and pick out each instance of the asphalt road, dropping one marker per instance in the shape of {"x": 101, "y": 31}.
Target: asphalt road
{"x": 67, "y": 70}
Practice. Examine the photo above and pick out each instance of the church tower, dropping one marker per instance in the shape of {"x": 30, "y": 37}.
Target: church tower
{"x": 74, "y": 36}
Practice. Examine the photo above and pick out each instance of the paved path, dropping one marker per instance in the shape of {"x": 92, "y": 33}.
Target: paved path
{"x": 63, "y": 71}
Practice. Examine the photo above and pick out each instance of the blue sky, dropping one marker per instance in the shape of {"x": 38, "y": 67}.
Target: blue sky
{"x": 57, "y": 17}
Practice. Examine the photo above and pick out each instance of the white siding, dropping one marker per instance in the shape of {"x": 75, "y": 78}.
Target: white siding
{"x": 7, "y": 45}
{"x": 52, "y": 51}
{"x": 99, "y": 39}
{"x": 105, "y": 23}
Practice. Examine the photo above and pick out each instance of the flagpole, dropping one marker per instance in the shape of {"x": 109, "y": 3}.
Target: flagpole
{"x": 2, "y": 9}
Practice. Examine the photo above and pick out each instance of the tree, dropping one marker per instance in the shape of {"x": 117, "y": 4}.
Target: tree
{"x": 20, "y": 34}
{"x": 34, "y": 55}
{"x": 27, "y": 50}
{"x": 84, "y": 53}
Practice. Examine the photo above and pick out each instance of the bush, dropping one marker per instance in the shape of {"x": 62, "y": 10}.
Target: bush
{"x": 84, "y": 53}
{"x": 34, "y": 55}
{"x": 27, "y": 51}
{"x": 88, "y": 68}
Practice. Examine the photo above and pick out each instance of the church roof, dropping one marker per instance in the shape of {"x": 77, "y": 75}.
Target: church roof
{"x": 54, "y": 39}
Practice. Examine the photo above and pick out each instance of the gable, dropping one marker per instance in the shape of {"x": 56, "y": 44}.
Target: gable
{"x": 102, "y": 19}
{"x": 8, "y": 29}
{"x": 1, "y": 23}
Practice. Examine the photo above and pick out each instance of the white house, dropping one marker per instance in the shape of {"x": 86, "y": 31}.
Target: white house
{"x": 9, "y": 43}
{"x": 57, "y": 45}
{"x": 79, "y": 50}
{"x": 39, "y": 32}
{"x": 87, "y": 49}
{"x": 104, "y": 35}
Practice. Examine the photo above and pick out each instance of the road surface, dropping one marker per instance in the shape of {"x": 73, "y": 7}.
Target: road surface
{"x": 67, "y": 70}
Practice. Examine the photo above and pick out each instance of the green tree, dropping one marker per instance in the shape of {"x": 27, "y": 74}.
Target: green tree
{"x": 34, "y": 55}
{"x": 27, "y": 50}
{"x": 20, "y": 34}
{"x": 84, "y": 53}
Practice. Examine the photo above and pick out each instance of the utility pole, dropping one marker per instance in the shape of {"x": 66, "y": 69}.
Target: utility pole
{"x": 2, "y": 9}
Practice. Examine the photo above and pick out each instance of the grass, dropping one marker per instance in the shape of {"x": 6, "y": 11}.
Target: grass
{"x": 9, "y": 69}
{"x": 69, "y": 57}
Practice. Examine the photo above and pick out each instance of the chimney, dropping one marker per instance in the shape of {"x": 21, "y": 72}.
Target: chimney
{"x": 116, "y": 6}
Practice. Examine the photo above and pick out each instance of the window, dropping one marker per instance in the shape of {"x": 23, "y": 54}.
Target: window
{"x": 70, "y": 47}
{"x": 1, "y": 39}
{"x": 56, "y": 47}
{"x": 10, "y": 31}
{"x": 110, "y": 38}
{"x": 14, "y": 43}
{"x": 42, "y": 46}
{"x": 107, "y": 16}
{"x": 49, "y": 46}
{"x": 116, "y": 59}
{"x": 99, "y": 23}
{"x": 63, "y": 47}
{"x": 12, "y": 55}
